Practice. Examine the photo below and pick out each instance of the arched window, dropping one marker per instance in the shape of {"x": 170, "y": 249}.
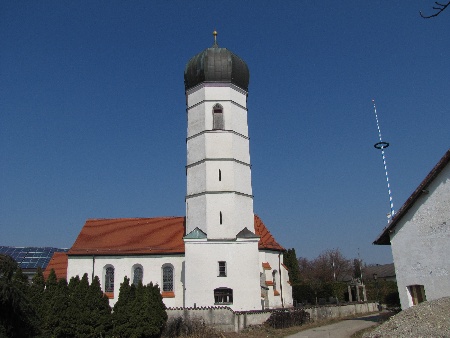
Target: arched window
{"x": 138, "y": 274}
{"x": 223, "y": 296}
{"x": 109, "y": 279}
{"x": 218, "y": 117}
{"x": 167, "y": 272}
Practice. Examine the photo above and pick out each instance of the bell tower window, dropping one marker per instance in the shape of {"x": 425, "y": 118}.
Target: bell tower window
{"x": 218, "y": 117}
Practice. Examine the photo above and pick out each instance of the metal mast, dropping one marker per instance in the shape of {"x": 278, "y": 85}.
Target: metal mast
{"x": 383, "y": 145}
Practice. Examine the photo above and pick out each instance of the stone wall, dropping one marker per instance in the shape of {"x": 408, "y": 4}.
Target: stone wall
{"x": 225, "y": 319}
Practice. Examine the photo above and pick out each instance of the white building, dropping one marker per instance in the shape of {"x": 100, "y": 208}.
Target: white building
{"x": 220, "y": 254}
{"x": 419, "y": 235}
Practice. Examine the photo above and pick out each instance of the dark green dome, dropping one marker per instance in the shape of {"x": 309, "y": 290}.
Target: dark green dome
{"x": 216, "y": 64}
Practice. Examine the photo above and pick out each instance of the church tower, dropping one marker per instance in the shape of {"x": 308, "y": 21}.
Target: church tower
{"x": 220, "y": 246}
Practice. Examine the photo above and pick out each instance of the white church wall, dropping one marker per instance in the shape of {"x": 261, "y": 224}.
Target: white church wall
{"x": 196, "y": 213}
{"x": 243, "y": 178}
{"x": 197, "y": 178}
{"x": 235, "y": 211}
{"x": 196, "y": 120}
{"x": 218, "y": 145}
{"x": 201, "y": 100}
{"x": 205, "y": 176}
{"x": 420, "y": 243}
{"x": 275, "y": 260}
{"x": 123, "y": 266}
{"x": 242, "y": 275}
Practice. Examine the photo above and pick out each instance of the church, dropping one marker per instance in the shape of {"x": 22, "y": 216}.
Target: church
{"x": 220, "y": 253}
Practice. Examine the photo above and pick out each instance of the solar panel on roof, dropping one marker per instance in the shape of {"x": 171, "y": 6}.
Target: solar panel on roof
{"x": 31, "y": 257}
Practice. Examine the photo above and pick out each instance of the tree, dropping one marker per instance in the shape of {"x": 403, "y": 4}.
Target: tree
{"x": 139, "y": 311}
{"x": 320, "y": 277}
{"x": 290, "y": 260}
{"x": 439, "y": 7}
{"x": 17, "y": 314}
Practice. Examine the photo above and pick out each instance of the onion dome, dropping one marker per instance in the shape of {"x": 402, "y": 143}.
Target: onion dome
{"x": 216, "y": 64}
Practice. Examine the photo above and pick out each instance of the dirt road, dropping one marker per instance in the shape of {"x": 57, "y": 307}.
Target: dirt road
{"x": 342, "y": 329}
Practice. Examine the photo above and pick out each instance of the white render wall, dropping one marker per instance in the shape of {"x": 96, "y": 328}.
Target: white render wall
{"x": 205, "y": 177}
{"x": 421, "y": 243}
{"x": 208, "y": 151}
{"x": 219, "y": 145}
{"x": 123, "y": 266}
{"x": 241, "y": 257}
{"x": 275, "y": 260}
{"x": 236, "y": 214}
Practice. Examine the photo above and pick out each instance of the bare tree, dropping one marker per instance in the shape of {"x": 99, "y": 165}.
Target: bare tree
{"x": 439, "y": 7}
{"x": 329, "y": 266}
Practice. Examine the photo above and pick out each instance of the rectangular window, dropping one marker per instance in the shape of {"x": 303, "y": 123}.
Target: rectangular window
{"x": 223, "y": 296}
{"x": 222, "y": 269}
{"x": 218, "y": 119}
{"x": 417, "y": 294}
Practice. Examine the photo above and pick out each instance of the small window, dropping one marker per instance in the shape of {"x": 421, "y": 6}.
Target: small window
{"x": 417, "y": 294}
{"x": 220, "y": 217}
{"x": 138, "y": 273}
{"x": 223, "y": 296}
{"x": 167, "y": 278}
{"x": 220, "y": 175}
{"x": 222, "y": 269}
{"x": 109, "y": 279}
{"x": 218, "y": 117}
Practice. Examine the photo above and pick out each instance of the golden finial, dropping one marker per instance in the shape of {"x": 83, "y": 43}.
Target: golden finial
{"x": 215, "y": 37}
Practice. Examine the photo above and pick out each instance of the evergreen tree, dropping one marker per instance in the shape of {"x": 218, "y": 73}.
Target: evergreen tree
{"x": 99, "y": 309}
{"x": 139, "y": 311}
{"x": 36, "y": 293}
{"x": 122, "y": 314}
{"x": 17, "y": 315}
{"x": 290, "y": 260}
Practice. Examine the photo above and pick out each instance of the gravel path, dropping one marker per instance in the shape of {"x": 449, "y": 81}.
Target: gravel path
{"x": 428, "y": 319}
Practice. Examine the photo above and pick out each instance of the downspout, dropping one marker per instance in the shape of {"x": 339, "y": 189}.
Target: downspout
{"x": 93, "y": 263}
{"x": 281, "y": 285}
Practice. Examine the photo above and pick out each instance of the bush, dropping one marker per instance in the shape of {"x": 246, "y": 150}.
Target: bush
{"x": 287, "y": 318}
{"x": 196, "y": 327}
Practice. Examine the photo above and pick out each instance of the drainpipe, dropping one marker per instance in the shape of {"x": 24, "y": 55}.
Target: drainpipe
{"x": 93, "y": 263}
{"x": 281, "y": 285}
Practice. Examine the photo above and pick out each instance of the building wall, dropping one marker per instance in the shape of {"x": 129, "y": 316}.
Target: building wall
{"x": 421, "y": 243}
{"x": 123, "y": 266}
{"x": 220, "y": 205}
{"x": 283, "y": 295}
{"x": 202, "y": 274}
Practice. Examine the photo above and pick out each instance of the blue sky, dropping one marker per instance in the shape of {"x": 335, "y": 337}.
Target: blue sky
{"x": 93, "y": 120}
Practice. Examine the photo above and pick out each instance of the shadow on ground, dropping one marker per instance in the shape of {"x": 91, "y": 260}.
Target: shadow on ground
{"x": 373, "y": 318}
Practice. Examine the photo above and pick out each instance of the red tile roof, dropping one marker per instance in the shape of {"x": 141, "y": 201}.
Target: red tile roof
{"x": 163, "y": 235}
{"x": 124, "y": 236}
{"x": 58, "y": 262}
{"x": 266, "y": 266}
{"x": 267, "y": 241}
{"x": 384, "y": 238}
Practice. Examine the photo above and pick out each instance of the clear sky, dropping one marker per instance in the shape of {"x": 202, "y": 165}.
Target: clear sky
{"x": 93, "y": 120}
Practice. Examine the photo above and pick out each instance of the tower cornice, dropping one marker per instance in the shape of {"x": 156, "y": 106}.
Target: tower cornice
{"x": 217, "y": 132}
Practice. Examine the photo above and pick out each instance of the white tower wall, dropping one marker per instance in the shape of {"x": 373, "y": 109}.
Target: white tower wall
{"x": 219, "y": 193}
{"x": 203, "y": 274}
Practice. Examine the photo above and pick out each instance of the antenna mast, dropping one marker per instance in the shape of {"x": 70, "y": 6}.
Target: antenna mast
{"x": 383, "y": 145}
